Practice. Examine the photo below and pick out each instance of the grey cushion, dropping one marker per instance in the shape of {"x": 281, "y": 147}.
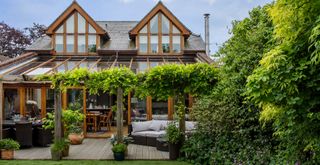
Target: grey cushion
{"x": 141, "y": 126}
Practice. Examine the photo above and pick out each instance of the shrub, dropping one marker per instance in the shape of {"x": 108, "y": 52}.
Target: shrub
{"x": 174, "y": 135}
{"x": 119, "y": 148}
{"x": 9, "y": 144}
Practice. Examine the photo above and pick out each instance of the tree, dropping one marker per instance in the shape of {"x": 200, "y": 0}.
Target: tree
{"x": 228, "y": 130}
{"x": 12, "y": 41}
{"x": 175, "y": 81}
{"x": 286, "y": 85}
{"x": 35, "y": 32}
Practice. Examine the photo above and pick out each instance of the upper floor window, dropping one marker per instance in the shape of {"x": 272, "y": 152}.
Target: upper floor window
{"x": 75, "y": 35}
{"x": 159, "y": 36}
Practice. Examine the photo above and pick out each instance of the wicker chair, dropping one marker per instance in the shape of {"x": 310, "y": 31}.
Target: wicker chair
{"x": 23, "y": 132}
{"x": 42, "y": 137}
{"x": 105, "y": 121}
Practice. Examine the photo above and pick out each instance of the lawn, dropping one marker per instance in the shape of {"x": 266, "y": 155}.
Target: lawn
{"x": 89, "y": 162}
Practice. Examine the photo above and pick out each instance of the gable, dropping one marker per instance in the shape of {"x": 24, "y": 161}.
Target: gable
{"x": 166, "y": 12}
{"x": 75, "y": 7}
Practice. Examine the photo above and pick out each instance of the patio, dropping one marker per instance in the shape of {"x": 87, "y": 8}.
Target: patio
{"x": 94, "y": 149}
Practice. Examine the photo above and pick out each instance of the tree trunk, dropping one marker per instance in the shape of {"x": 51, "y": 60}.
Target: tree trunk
{"x": 1, "y": 107}
{"x": 119, "y": 115}
{"x": 57, "y": 115}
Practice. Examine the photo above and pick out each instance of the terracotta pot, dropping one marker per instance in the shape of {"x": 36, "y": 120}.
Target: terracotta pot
{"x": 7, "y": 154}
{"x": 65, "y": 151}
{"x": 75, "y": 138}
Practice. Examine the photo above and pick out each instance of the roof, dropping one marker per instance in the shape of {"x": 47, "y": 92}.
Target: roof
{"x": 119, "y": 38}
{"x": 4, "y": 58}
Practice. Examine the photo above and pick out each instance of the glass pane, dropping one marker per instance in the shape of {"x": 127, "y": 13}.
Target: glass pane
{"x": 165, "y": 44}
{"x": 59, "y": 43}
{"x": 138, "y": 109}
{"x": 75, "y": 99}
{"x": 71, "y": 64}
{"x": 159, "y": 110}
{"x": 70, "y": 43}
{"x": 50, "y": 100}
{"x": 92, "y": 43}
{"x": 154, "y": 44}
{"x": 142, "y": 67}
{"x": 81, "y": 43}
{"x": 154, "y": 24}
{"x": 11, "y": 103}
{"x": 165, "y": 25}
{"x": 39, "y": 71}
{"x": 33, "y": 102}
{"x": 70, "y": 24}
{"x": 91, "y": 29}
{"x": 143, "y": 44}
{"x": 144, "y": 29}
{"x": 81, "y": 24}
{"x": 175, "y": 30}
{"x": 61, "y": 68}
{"x": 176, "y": 44}
{"x": 60, "y": 29}
{"x": 153, "y": 64}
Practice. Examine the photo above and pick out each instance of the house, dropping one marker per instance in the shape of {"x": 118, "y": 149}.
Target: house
{"x": 76, "y": 40}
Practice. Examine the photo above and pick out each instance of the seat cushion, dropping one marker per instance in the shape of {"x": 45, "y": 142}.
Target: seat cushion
{"x": 141, "y": 126}
{"x": 155, "y": 134}
{"x": 158, "y": 125}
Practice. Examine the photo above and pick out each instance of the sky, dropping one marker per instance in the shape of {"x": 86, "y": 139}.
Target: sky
{"x": 22, "y": 13}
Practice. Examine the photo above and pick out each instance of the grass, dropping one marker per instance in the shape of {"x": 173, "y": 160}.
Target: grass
{"x": 89, "y": 162}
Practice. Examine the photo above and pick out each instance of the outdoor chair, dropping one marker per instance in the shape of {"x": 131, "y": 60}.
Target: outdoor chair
{"x": 23, "y": 132}
{"x": 6, "y": 133}
{"x": 42, "y": 137}
{"x": 105, "y": 121}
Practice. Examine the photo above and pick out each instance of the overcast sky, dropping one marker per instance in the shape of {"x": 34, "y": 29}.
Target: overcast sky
{"x": 22, "y": 13}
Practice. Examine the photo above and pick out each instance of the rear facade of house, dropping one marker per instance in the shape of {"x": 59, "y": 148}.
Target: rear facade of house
{"x": 75, "y": 40}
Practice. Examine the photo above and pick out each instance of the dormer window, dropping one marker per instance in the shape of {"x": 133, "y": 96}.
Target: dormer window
{"x": 75, "y": 35}
{"x": 159, "y": 36}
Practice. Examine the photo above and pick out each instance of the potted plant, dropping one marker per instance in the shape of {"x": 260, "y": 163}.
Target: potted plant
{"x": 119, "y": 150}
{"x": 72, "y": 120}
{"x": 59, "y": 149}
{"x": 7, "y": 147}
{"x": 174, "y": 137}
{"x": 126, "y": 140}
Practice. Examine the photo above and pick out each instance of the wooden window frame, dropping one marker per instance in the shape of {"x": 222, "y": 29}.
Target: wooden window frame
{"x": 159, "y": 34}
{"x": 75, "y": 34}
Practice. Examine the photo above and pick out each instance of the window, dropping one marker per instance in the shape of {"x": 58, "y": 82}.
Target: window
{"x": 59, "y": 43}
{"x": 70, "y": 43}
{"x": 165, "y": 40}
{"x": 143, "y": 44}
{"x": 78, "y": 40}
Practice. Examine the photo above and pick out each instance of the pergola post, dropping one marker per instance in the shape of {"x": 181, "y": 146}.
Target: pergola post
{"x": 119, "y": 115}
{"x": 57, "y": 115}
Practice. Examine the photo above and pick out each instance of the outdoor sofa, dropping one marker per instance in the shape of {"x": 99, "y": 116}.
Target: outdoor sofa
{"x": 147, "y": 132}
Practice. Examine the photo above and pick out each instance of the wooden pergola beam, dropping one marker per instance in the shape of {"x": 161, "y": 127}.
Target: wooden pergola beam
{"x": 77, "y": 65}
{"x": 180, "y": 60}
{"x": 130, "y": 62}
{"x": 96, "y": 63}
{"x": 40, "y": 65}
{"x": 114, "y": 62}
{"x": 58, "y": 65}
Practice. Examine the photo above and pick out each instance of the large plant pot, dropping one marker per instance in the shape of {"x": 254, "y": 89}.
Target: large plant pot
{"x": 174, "y": 150}
{"x": 118, "y": 156}
{"x": 65, "y": 151}
{"x": 56, "y": 155}
{"x": 7, "y": 154}
{"x": 75, "y": 139}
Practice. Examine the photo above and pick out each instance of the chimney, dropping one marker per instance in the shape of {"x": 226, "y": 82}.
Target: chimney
{"x": 206, "y": 33}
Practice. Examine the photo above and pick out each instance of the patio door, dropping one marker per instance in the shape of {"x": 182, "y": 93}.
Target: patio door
{"x": 75, "y": 101}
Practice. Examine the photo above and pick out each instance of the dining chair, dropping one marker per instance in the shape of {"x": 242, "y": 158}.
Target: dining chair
{"x": 105, "y": 121}
{"x": 90, "y": 121}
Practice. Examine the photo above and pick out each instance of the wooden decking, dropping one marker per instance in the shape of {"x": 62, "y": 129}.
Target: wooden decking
{"x": 97, "y": 149}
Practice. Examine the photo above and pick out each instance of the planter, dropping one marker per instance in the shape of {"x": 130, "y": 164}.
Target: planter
{"x": 65, "y": 151}
{"x": 7, "y": 154}
{"x": 118, "y": 156}
{"x": 56, "y": 155}
{"x": 76, "y": 139}
{"x": 174, "y": 150}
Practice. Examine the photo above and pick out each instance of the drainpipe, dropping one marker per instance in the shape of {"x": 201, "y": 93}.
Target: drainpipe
{"x": 206, "y": 31}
